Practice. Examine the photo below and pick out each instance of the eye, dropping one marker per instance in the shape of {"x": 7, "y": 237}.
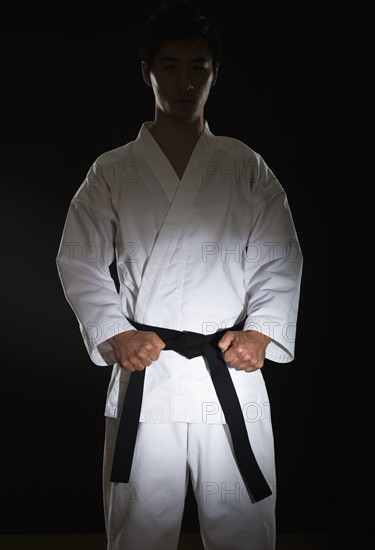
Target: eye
{"x": 200, "y": 68}
{"x": 169, "y": 67}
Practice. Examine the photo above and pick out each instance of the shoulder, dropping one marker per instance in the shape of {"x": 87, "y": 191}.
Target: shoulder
{"x": 102, "y": 178}
{"x": 115, "y": 155}
{"x": 238, "y": 152}
{"x": 257, "y": 172}
{"x": 236, "y": 148}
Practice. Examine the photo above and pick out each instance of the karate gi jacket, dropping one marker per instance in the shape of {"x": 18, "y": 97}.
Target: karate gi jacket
{"x": 198, "y": 254}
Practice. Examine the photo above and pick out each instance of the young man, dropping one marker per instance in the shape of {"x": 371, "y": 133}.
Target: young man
{"x": 209, "y": 270}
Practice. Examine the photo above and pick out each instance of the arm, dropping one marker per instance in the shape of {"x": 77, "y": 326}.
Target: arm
{"x": 272, "y": 270}
{"x": 85, "y": 254}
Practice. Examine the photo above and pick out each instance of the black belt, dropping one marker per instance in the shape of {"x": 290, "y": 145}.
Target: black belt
{"x": 190, "y": 344}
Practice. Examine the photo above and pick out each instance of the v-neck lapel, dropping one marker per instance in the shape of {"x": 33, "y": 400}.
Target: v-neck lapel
{"x": 182, "y": 194}
{"x": 158, "y": 161}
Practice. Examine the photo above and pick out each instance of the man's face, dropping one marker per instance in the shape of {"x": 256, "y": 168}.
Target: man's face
{"x": 181, "y": 77}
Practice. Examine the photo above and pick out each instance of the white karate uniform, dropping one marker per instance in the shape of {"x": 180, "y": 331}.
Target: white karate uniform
{"x": 196, "y": 254}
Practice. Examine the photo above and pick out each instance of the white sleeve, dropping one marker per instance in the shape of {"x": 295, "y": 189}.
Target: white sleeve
{"x": 273, "y": 268}
{"x": 85, "y": 254}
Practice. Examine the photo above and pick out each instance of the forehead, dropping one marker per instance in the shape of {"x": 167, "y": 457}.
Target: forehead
{"x": 184, "y": 50}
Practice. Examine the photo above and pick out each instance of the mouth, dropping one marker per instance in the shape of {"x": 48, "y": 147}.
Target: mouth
{"x": 185, "y": 100}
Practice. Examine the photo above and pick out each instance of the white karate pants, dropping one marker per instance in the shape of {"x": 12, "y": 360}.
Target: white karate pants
{"x": 146, "y": 513}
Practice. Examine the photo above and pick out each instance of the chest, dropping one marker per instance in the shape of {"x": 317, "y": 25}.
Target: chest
{"x": 179, "y": 161}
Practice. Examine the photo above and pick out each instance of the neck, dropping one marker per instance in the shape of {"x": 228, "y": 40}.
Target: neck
{"x": 172, "y": 134}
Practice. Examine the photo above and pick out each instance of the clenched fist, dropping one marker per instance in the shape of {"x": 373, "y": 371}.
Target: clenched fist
{"x": 244, "y": 350}
{"x": 135, "y": 350}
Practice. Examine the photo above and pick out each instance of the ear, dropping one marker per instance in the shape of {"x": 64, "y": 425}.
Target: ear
{"x": 145, "y": 68}
{"x": 216, "y": 71}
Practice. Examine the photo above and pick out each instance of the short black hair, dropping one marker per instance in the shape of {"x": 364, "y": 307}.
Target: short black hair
{"x": 179, "y": 20}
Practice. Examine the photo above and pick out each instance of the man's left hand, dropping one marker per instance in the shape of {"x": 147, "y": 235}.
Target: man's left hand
{"x": 244, "y": 350}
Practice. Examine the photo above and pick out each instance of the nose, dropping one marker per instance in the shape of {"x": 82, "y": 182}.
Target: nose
{"x": 184, "y": 81}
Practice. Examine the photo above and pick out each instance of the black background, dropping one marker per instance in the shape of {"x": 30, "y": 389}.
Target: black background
{"x": 68, "y": 97}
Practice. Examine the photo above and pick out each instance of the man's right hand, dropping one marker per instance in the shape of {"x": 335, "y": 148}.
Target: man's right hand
{"x": 135, "y": 350}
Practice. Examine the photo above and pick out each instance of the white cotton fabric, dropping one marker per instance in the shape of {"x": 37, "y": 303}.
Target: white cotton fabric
{"x": 146, "y": 513}
{"x": 198, "y": 254}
